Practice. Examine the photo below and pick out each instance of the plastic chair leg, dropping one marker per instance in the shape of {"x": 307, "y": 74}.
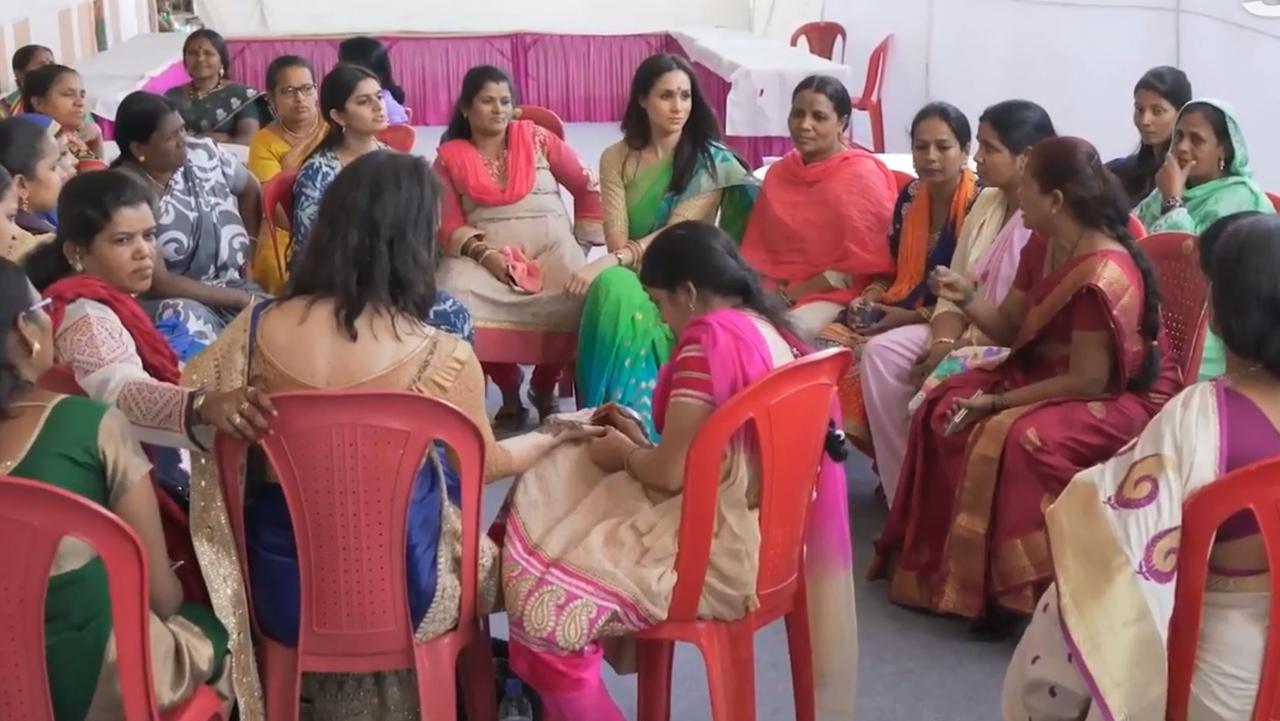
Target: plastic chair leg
{"x": 800, "y": 649}
{"x": 204, "y": 705}
{"x": 283, "y": 681}
{"x": 653, "y": 693}
{"x": 729, "y": 653}
{"x": 437, "y": 687}
{"x": 478, "y": 679}
{"x": 876, "y": 113}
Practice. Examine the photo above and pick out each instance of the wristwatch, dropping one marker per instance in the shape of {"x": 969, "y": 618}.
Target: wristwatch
{"x": 1170, "y": 204}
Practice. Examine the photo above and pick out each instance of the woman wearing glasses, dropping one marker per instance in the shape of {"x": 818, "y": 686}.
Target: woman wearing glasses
{"x": 284, "y": 145}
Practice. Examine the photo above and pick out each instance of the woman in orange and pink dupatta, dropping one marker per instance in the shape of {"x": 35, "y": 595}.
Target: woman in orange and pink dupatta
{"x": 818, "y": 231}
{"x": 591, "y": 535}
{"x": 511, "y": 246}
{"x": 989, "y": 449}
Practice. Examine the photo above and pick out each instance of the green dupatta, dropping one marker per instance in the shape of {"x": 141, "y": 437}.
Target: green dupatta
{"x": 650, "y": 201}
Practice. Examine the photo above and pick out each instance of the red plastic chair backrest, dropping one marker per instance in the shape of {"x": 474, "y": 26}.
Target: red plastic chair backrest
{"x": 1275, "y": 200}
{"x": 544, "y": 118}
{"x": 35, "y": 517}
{"x": 399, "y": 137}
{"x": 347, "y": 462}
{"x": 278, "y": 193}
{"x": 821, "y": 37}
{"x": 904, "y": 179}
{"x": 1136, "y": 228}
{"x": 789, "y": 411}
{"x": 1184, "y": 292}
{"x": 1256, "y": 488}
{"x": 874, "y": 84}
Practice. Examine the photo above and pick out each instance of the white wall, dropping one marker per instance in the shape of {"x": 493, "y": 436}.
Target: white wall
{"x": 1078, "y": 58}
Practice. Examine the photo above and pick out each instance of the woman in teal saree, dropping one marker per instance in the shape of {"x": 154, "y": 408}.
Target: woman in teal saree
{"x": 669, "y": 167}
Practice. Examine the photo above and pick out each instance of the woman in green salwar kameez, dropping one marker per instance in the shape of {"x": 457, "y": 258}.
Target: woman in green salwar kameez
{"x": 669, "y": 167}
{"x": 86, "y": 447}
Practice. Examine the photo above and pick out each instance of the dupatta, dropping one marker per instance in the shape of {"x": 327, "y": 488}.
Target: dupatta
{"x": 299, "y": 152}
{"x": 914, "y": 246}
{"x": 738, "y": 356}
{"x": 650, "y": 201}
{"x": 467, "y": 169}
{"x": 1113, "y": 536}
{"x": 158, "y": 358}
{"x": 823, "y": 216}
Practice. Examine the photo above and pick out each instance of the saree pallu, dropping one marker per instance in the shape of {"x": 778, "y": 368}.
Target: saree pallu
{"x": 967, "y": 526}
{"x": 590, "y": 556}
{"x": 1115, "y": 535}
{"x": 914, "y": 253}
{"x": 271, "y": 153}
{"x": 622, "y": 340}
{"x": 222, "y": 109}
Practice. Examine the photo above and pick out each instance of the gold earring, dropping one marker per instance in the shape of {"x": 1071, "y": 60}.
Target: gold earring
{"x": 77, "y": 266}
{"x": 23, "y": 204}
{"x": 1222, "y": 165}
{"x": 142, "y": 158}
{"x": 35, "y": 348}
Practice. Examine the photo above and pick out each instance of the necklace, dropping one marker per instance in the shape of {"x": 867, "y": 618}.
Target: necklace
{"x": 296, "y": 135}
{"x": 1053, "y": 256}
{"x": 162, "y": 187}
{"x": 196, "y": 94}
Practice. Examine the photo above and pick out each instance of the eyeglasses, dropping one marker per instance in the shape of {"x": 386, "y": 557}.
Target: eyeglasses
{"x": 38, "y": 305}
{"x": 305, "y": 91}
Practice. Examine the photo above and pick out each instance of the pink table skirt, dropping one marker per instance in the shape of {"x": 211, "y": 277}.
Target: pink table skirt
{"x": 583, "y": 78}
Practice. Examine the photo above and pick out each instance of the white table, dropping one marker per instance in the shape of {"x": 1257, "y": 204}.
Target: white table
{"x": 900, "y": 162}
{"x": 114, "y": 73}
{"x": 761, "y": 72}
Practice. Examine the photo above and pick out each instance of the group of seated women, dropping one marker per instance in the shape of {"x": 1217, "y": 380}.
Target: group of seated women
{"x": 1006, "y": 326}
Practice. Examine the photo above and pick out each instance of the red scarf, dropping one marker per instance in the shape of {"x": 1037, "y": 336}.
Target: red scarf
{"x": 466, "y": 168}
{"x": 158, "y": 359}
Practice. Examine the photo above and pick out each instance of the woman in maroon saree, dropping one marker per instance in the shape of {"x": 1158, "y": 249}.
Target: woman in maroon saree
{"x": 990, "y": 449}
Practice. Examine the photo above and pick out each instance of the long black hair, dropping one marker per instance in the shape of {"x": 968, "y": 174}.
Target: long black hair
{"x": 700, "y": 129}
{"x": 371, "y": 54}
{"x": 40, "y": 81}
{"x": 22, "y": 143}
{"x": 15, "y": 299}
{"x": 1021, "y": 124}
{"x": 85, "y": 206}
{"x": 281, "y": 64}
{"x": 954, "y": 118}
{"x": 335, "y": 90}
{"x": 374, "y": 242}
{"x": 1208, "y": 240}
{"x": 1244, "y": 275}
{"x": 1171, "y": 84}
{"x": 219, "y": 46}
{"x": 137, "y": 119}
{"x": 833, "y": 90}
{"x": 472, "y": 83}
{"x": 703, "y": 255}
{"x": 1096, "y": 199}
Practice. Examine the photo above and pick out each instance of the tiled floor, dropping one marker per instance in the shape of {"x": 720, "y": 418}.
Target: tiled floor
{"x": 913, "y": 666}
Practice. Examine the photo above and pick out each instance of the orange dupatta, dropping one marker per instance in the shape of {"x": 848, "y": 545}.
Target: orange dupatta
{"x": 466, "y": 167}
{"x": 913, "y": 241}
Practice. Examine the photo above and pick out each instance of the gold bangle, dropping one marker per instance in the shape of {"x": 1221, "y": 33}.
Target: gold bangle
{"x": 948, "y": 341}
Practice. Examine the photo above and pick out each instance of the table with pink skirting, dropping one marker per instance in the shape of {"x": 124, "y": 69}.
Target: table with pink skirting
{"x": 583, "y": 78}
{"x": 151, "y": 62}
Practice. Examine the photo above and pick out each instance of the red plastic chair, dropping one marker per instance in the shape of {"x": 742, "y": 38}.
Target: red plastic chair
{"x": 347, "y": 462}
{"x": 821, "y": 38}
{"x": 61, "y": 379}
{"x": 1136, "y": 228}
{"x": 278, "y": 193}
{"x": 1256, "y": 488}
{"x": 35, "y": 517}
{"x": 870, "y": 100}
{"x": 543, "y": 117}
{"x": 1275, "y": 200}
{"x": 1183, "y": 295}
{"x": 790, "y": 409}
{"x": 904, "y": 179}
{"x": 399, "y": 137}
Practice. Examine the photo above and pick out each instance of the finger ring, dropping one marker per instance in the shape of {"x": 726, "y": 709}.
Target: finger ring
{"x": 244, "y": 406}
{"x": 236, "y": 419}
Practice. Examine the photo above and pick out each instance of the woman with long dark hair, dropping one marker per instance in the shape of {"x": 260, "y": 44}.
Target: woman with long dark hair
{"x": 1116, "y": 527}
{"x": 897, "y": 362}
{"x": 356, "y": 303}
{"x": 1157, "y": 97}
{"x": 351, "y": 107}
{"x": 670, "y": 166}
{"x": 213, "y": 105}
{"x": 371, "y": 54}
{"x": 1087, "y": 370}
{"x": 594, "y": 525}
{"x": 510, "y": 243}
{"x": 30, "y": 154}
{"x": 85, "y": 447}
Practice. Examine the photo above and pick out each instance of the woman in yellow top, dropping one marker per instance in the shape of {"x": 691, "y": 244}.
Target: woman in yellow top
{"x": 283, "y": 145}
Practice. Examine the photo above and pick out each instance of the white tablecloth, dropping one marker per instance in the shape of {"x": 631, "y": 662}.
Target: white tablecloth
{"x": 114, "y": 73}
{"x": 894, "y": 161}
{"x": 761, "y": 72}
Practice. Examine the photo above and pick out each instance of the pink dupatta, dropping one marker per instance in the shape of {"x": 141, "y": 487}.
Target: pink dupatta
{"x": 738, "y": 356}
{"x": 466, "y": 167}
{"x": 998, "y": 265}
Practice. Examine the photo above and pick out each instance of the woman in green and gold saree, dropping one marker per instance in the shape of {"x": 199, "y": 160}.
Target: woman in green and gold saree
{"x": 86, "y": 447}
{"x": 669, "y": 167}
